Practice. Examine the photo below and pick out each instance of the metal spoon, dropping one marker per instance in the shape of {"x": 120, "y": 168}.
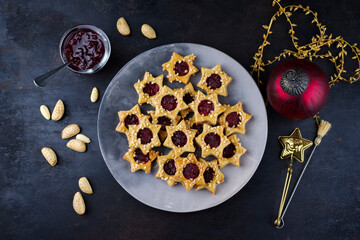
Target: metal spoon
{"x": 40, "y": 79}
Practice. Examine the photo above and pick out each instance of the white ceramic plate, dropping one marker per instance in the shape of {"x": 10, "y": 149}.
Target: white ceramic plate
{"x": 121, "y": 95}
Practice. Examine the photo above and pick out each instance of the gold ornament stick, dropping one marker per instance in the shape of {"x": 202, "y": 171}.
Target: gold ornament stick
{"x": 324, "y": 127}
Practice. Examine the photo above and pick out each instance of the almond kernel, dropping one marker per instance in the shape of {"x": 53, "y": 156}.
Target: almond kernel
{"x": 122, "y": 26}
{"x": 70, "y": 131}
{"x": 45, "y": 112}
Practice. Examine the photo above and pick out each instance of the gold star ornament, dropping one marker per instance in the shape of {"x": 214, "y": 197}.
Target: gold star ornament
{"x": 294, "y": 145}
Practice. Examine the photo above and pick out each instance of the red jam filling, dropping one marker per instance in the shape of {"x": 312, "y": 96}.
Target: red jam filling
{"x": 179, "y": 139}
{"x": 198, "y": 127}
{"x": 131, "y": 119}
{"x": 140, "y": 157}
{"x": 214, "y": 81}
{"x": 181, "y": 68}
{"x": 209, "y": 175}
{"x": 145, "y": 135}
{"x": 169, "y": 167}
{"x": 169, "y": 102}
{"x": 229, "y": 151}
{"x": 233, "y": 119}
{"x": 151, "y": 89}
{"x": 163, "y": 121}
{"x": 84, "y": 50}
{"x": 188, "y": 98}
{"x": 213, "y": 140}
{"x": 191, "y": 171}
{"x": 205, "y": 107}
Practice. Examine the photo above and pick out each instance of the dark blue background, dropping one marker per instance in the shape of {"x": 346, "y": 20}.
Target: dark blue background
{"x": 36, "y": 199}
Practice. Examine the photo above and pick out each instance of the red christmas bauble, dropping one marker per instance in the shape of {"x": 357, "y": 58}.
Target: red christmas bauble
{"x": 297, "y": 89}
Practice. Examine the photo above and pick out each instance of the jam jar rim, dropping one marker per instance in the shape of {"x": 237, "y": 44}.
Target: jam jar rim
{"x": 104, "y": 38}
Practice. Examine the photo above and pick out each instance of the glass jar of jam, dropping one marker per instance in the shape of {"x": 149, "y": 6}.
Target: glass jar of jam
{"x": 86, "y": 47}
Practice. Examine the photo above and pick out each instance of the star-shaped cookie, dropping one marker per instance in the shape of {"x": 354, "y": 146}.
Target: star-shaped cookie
{"x": 168, "y": 166}
{"x": 212, "y": 176}
{"x": 144, "y": 136}
{"x": 206, "y": 108}
{"x": 180, "y": 138}
{"x": 138, "y": 160}
{"x": 214, "y": 80}
{"x": 232, "y": 152}
{"x": 234, "y": 119}
{"x": 191, "y": 171}
{"x": 212, "y": 141}
{"x": 180, "y": 68}
{"x": 169, "y": 102}
{"x": 148, "y": 88}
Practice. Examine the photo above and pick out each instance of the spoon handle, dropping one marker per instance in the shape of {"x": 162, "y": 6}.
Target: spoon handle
{"x": 40, "y": 79}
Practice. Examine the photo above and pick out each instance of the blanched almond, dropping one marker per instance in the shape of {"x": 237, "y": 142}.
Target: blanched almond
{"x": 70, "y": 131}
{"x": 85, "y": 186}
{"x": 148, "y": 31}
{"x": 83, "y": 138}
{"x": 79, "y": 204}
{"x": 76, "y": 145}
{"x": 122, "y": 26}
{"x": 45, "y": 112}
{"x": 58, "y": 111}
{"x": 94, "y": 94}
{"x": 49, "y": 155}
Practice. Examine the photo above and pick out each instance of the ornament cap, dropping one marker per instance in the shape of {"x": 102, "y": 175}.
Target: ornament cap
{"x": 294, "y": 81}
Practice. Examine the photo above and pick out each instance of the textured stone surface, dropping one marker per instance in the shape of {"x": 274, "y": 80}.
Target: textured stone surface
{"x": 35, "y": 198}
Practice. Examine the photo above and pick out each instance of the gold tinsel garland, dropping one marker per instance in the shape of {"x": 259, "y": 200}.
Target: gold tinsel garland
{"x": 308, "y": 51}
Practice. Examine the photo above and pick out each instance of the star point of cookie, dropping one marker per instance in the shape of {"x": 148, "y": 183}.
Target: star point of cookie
{"x": 212, "y": 176}
{"x": 180, "y": 138}
{"x": 232, "y": 152}
{"x": 191, "y": 172}
{"x": 168, "y": 166}
{"x": 138, "y": 160}
{"x": 206, "y": 108}
{"x": 212, "y": 141}
{"x": 169, "y": 102}
{"x": 180, "y": 68}
{"x": 214, "y": 80}
{"x": 131, "y": 117}
{"x": 234, "y": 119}
{"x": 144, "y": 136}
{"x": 148, "y": 88}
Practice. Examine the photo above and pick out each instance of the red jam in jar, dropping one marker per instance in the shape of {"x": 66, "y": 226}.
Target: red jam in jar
{"x": 84, "y": 49}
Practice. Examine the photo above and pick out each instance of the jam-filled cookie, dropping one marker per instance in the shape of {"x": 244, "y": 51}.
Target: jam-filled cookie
{"x": 191, "y": 172}
{"x": 212, "y": 176}
{"x": 163, "y": 121}
{"x": 138, "y": 160}
{"x": 234, "y": 119}
{"x": 148, "y": 88}
{"x": 206, "y": 108}
{"x": 168, "y": 166}
{"x": 128, "y": 118}
{"x": 214, "y": 80}
{"x": 144, "y": 136}
{"x": 180, "y": 68}
{"x": 212, "y": 141}
{"x": 189, "y": 96}
{"x": 169, "y": 102}
{"x": 180, "y": 138}
{"x": 232, "y": 152}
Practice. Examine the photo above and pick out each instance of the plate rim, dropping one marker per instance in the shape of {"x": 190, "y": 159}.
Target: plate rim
{"x": 174, "y": 210}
